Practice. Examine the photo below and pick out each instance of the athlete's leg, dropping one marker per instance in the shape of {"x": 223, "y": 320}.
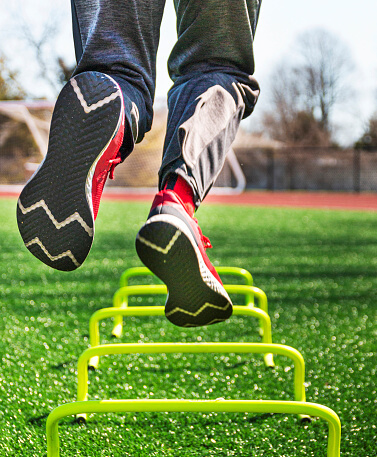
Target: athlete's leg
{"x": 212, "y": 66}
{"x": 120, "y": 38}
{"x": 99, "y": 114}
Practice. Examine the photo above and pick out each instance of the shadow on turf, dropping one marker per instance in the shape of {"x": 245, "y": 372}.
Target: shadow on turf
{"x": 62, "y": 365}
{"x": 39, "y": 420}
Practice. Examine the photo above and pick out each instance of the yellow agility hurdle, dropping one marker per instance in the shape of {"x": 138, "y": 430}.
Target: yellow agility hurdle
{"x": 203, "y": 406}
{"x": 144, "y": 271}
{"x": 118, "y": 299}
{"x": 193, "y": 348}
{"x": 121, "y": 296}
{"x": 125, "y": 292}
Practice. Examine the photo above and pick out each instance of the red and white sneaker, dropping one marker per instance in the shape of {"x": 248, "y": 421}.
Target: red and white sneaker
{"x": 172, "y": 246}
{"x": 58, "y": 206}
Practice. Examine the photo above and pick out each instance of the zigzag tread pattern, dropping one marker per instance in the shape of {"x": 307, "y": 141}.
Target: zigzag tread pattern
{"x": 205, "y": 273}
{"x": 73, "y": 217}
{"x": 159, "y": 248}
{"x": 68, "y": 253}
{"x": 95, "y": 86}
{"x": 199, "y": 311}
{"x": 88, "y": 108}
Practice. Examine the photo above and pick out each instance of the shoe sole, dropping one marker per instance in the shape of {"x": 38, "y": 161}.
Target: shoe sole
{"x": 196, "y": 298}
{"x": 55, "y": 210}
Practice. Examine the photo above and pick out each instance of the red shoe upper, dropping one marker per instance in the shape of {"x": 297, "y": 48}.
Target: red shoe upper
{"x": 105, "y": 167}
{"x": 168, "y": 202}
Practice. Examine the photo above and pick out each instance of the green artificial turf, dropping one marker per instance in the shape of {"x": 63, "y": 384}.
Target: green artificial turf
{"x": 318, "y": 269}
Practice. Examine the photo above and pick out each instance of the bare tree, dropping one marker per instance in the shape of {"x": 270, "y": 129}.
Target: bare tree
{"x": 306, "y": 88}
{"x": 33, "y": 32}
{"x": 39, "y": 44}
{"x": 65, "y": 71}
{"x": 324, "y": 69}
{"x": 368, "y": 140}
{"x": 10, "y": 88}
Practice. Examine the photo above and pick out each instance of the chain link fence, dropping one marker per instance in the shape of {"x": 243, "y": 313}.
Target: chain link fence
{"x": 313, "y": 169}
{"x": 24, "y": 135}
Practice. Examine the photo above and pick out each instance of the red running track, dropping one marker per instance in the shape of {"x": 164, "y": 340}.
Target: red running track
{"x": 362, "y": 201}
{"x": 298, "y": 199}
{"x": 305, "y": 200}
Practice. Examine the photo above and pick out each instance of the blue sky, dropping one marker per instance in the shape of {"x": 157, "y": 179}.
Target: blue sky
{"x": 281, "y": 21}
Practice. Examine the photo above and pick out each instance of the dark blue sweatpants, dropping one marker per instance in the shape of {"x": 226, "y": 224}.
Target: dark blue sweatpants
{"x": 211, "y": 66}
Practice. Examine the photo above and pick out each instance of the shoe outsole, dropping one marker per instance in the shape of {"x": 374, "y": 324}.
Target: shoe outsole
{"x": 195, "y": 297}
{"x": 54, "y": 211}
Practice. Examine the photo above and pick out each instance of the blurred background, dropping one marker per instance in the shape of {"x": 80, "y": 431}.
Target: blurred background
{"x": 314, "y": 127}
